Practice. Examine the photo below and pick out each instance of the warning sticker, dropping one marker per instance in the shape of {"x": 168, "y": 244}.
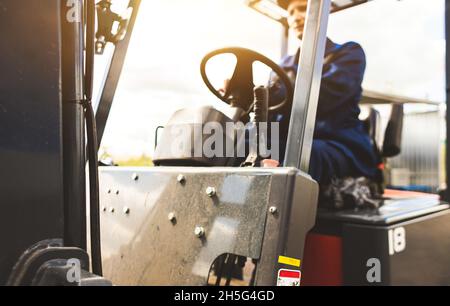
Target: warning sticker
{"x": 289, "y": 261}
{"x": 289, "y": 278}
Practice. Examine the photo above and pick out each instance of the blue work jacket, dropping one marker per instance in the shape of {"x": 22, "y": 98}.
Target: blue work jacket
{"x": 338, "y": 109}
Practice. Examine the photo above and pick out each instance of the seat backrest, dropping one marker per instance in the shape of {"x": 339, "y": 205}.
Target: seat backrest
{"x": 392, "y": 144}
{"x": 184, "y": 138}
{"x": 372, "y": 127}
{"x": 393, "y": 134}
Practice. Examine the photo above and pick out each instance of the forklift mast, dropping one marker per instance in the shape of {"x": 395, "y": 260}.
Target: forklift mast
{"x": 32, "y": 103}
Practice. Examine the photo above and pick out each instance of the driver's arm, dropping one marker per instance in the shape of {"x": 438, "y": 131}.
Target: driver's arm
{"x": 342, "y": 77}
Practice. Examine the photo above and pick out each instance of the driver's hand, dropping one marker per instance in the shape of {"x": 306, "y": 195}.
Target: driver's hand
{"x": 226, "y": 85}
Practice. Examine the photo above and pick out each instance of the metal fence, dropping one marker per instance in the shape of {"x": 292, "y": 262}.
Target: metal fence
{"x": 422, "y": 161}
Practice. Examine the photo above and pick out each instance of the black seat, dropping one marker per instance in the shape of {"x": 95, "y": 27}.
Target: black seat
{"x": 393, "y": 134}
{"x": 185, "y": 132}
{"x": 392, "y": 145}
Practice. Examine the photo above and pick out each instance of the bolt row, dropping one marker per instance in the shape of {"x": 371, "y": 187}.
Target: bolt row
{"x": 199, "y": 231}
{"x": 126, "y": 210}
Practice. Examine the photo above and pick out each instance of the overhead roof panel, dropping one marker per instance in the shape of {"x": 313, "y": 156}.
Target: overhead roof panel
{"x": 339, "y": 5}
{"x": 271, "y": 9}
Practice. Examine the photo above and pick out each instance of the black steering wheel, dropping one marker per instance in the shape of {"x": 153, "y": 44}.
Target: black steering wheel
{"x": 240, "y": 91}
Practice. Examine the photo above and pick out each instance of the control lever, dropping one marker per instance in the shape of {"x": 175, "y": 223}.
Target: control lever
{"x": 261, "y": 115}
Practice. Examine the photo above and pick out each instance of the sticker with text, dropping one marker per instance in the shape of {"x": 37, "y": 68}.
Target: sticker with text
{"x": 289, "y": 278}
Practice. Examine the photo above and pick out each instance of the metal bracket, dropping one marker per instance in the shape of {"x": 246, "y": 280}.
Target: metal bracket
{"x": 114, "y": 71}
{"x": 107, "y": 19}
{"x": 46, "y": 263}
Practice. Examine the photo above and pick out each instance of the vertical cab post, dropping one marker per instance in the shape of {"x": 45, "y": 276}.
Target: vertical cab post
{"x": 447, "y": 38}
{"x": 73, "y": 123}
{"x": 307, "y": 86}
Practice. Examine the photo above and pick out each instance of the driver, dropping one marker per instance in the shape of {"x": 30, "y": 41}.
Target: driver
{"x": 341, "y": 147}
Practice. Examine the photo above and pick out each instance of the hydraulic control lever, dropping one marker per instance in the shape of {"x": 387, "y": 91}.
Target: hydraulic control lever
{"x": 261, "y": 114}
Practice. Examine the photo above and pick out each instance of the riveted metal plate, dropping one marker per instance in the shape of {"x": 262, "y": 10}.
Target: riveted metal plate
{"x": 147, "y": 247}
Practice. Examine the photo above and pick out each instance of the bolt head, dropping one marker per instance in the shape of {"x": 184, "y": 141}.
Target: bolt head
{"x": 181, "y": 179}
{"x": 199, "y": 232}
{"x": 112, "y": 209}
{"x": 273, "y": 210}
{"x": 211, "y": 191}
{"x": 172, "y": 217}
{"x": 126, "y": 210}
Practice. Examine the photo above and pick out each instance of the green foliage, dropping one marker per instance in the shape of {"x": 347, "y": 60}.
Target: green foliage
{"x": 143, "y": 161}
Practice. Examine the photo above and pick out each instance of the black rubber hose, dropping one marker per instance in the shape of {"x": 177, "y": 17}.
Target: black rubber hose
{"x": 94, "y": 194}
{"x": 92, "y": 142}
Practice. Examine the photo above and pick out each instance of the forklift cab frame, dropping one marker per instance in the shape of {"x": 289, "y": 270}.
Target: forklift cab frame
{"x": 344, "y": 244}
{"x": 202, "y": 214}
{"x": 170, "y": 225}
{"x": 334, "y": 254}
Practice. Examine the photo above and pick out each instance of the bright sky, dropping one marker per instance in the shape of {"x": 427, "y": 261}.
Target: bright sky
{"x": 405, "y": 45}
{"x": 404, "y": 42}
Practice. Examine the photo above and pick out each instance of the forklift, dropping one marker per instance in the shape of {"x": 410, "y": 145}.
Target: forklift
{"x": 192, "y": 220}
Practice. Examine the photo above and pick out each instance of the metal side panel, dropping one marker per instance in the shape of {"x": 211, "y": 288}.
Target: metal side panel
{"x": 143, "y": 246}
{"x": 411, "y": 253}
{"x": 295, "y": 197}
